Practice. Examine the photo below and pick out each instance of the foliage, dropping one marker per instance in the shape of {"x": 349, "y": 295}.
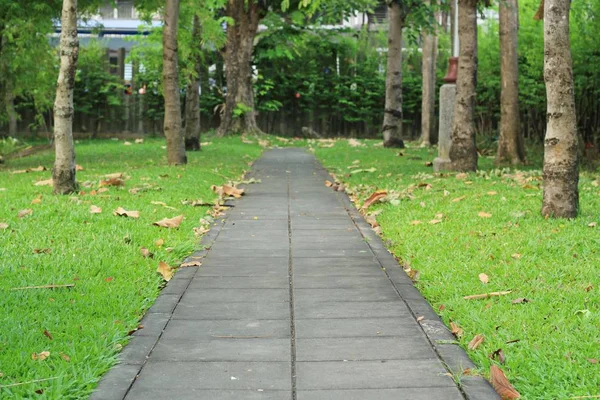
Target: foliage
{"x": 98, "y": 253}
{"x": 550, "y": 341}
{"x": 96, "y": 89}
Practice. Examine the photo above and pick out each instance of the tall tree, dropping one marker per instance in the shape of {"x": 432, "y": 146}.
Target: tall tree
{"x": 463, "y": 152}
{"x": 511, "y": 147}
{"x": 428, "y": 68}
{"x": 192, "y": 95}
{"x": 172, "y": 122}
{"x": 392, "y": 118}
{"x": 239, "y": 114}
{"x": 63, "y": 173}
{"x": 561, "y": 174}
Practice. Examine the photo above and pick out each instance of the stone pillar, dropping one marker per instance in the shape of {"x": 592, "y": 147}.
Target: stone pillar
{"x": 447, "y": 97}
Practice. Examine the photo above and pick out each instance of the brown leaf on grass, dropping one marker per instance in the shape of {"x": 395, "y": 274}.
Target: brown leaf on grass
{"x": 165, "y": 270}
{"x": 170, "y": 222}
{"x": 435, "y": 221}
{"x": 461, "y": 175}
{"x": 483, "y": 214}
{"x": 3, "y": 225}
{"x": 476, "y": 342}
{"x": 37, "y": 200}
{"x": 415, "y": 222}
{"x": 372, "y": 220}
{"x": 228, "y": 191}
{"x": 516, "y": 256}
{"x": 109, "y": 279}
{"x": 65, "y": 357}
{"x": 456, "y": 200}
{"x": 486, "y": 295}
{"x": 373, "y": 198}
{"x": 95, "y": 209}
{"x": 37, "y": 169}
{"x": 139, "y": 141}
{"x": 25, "y": 212}
{"x": 112, "y": 182}
{"x": 456, "y": 330}
{"x": 79, "y": 168}
{"x": 413, "y": 274}
{"x": 199, "y": 231}
{"x": 40, "y": 356}
{"x": 593, "y": 224}
{"x": 484, "y": 278}
{"x": 520, "y": 300}
{"x": 116, "y": 175}
{"x": 121, "y": 212}
{"x": 588, "y": 288}
{"x": 102, "y": 190}
{"x": 146, "y": 253}
{"x": 502, "y": 385}
{"x": 592, "y": 360}
{"x": 498, "y": 355}
{"x": 159, "y": 242}
{"x": 355, "y": 143}
{"x": 48, "y": 334}
{"x": 191, "y": 264}
{"x": 42, "y": 251}
{"x": 492, "y": 193}
{"x": 126, "y": 143}
{"x": 47, "y": 182}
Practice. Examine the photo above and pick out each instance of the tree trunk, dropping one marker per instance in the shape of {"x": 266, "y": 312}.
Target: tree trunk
{"x": 192, "y": 97}
{"x": 561, "y": 175}
{"x": 63, "y": 173}
{"x": 429, "y": 55}
{"x": 239, "y": 115}
{"x": 511, "y": 147}
{"x": 9, "y": 103}
{"x": 392, "y": 118}
{"x": 172, "y": 121}
{"x": 463, "y": 152}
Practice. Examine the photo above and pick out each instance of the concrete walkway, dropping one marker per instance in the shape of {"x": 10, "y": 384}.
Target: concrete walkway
{"x": 297, "y": 299}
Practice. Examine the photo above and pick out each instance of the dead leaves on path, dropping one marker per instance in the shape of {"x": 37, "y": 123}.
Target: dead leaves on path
{"x": 375, "y": 197}
{"x": 227, "y": 191}
{"x": 165, "y": 270}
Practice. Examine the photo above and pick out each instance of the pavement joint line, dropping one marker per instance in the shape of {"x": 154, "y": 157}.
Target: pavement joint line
{"x": 291, "y": 286}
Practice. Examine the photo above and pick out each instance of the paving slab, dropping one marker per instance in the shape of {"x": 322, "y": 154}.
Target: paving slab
{"x": 296, "y": 299}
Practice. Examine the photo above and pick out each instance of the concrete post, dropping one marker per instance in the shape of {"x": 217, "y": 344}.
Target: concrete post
{"x": 447, "y": 97}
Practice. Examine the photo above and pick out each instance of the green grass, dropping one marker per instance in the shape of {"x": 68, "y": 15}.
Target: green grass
{"x": 557, "y": 331}
{"x": 99, "y": 253}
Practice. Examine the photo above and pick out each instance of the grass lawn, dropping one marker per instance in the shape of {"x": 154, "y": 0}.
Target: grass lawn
{"x": 61, "y": 242}
{"x": 490, "y": 224}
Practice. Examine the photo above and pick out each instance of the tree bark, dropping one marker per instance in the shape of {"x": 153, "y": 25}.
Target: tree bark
{"x": 9, "y": 103}
{"x": 63, "y": 173}
{"x": 192, "y": 97}
{"x": 429, "y": 56}
{"x": 392, "y": 118}
{"x": 511, "y": 147}
{"x": 463, "y": 151}
{"x": 561, "y": 174}
{"x": 239, "y": 115}
{"x": 172, "y": 122}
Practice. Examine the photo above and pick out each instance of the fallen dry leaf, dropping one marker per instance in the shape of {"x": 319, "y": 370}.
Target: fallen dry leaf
{"x": 37, "y": 169}
{"x": 484, "y": 278}
{"x": 3, "y": 225}
{"x": 121, "y": 212}
{"x": 25, "y": 212}
{"x": 520, "y": 300}
{"x": 79, "y": 168}
{"x": 146, "y": 253}
{"x": 483, "y": 214}
{"x": 456, "y": 200}
{"x": 139, "y": 141}
{"x": 516, "y": 256}
{"x": 48, "y": 334}
{"x": 476, "y": 342}
{"x": 112, "y": 182}
{"x": 376, "y": 196}
{"x": 165, "y": 270}
{"x": 435, "y": 221}
{"x": 170, "y": 222}
{"x": 95, "y": 209}
{"x": 102, "y": 190}
{"x": 159, "y": 242}
{"x": 47, "y": 182}
{"x": 199, "y": 231}
{"x": 461, "y": 175}
{"x": 593, "y": 224}
{"x": 592, "y": 360}
{"x": 227, "y": 190}
{"x": 40, "y": 356}
{"x": 501, "y": 384}
{"x": 486, "y": 295}
{"x": 415, "y": 222}
{"x": 492, "y": 193}
{"x": 126, "y": 143}
{"x": 456, "y": 330}
{"x": 354, "y": 143}
{"x": 42, "y": 251}
{"x": 499, "y": 356}
{"x": 65, "y": 357}
{"x": 116, "y": 175}
{"x": 421, "y": 318}
{"x": 191, "y": 264}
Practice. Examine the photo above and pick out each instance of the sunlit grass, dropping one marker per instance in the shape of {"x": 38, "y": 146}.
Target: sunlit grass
{"x": 98, "y": 253}
{"x": 554, "y": 338}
